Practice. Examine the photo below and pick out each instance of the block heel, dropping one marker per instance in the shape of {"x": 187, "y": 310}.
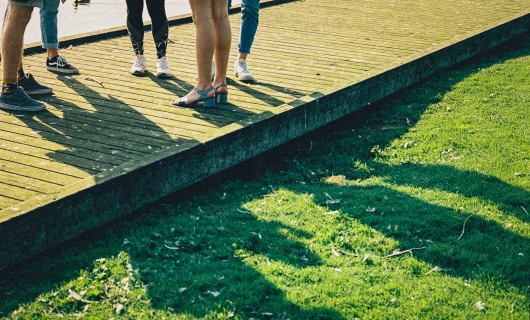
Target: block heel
{"x": 210, "y": 102}
{"x": 221, "y": 97}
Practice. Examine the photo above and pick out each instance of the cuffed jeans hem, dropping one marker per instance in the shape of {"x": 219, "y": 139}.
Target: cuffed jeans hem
{"x": 244, "y": 52}
{"x": 50, "y": 45}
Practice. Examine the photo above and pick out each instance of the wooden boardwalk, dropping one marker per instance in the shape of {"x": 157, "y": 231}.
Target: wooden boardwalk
{"x": 110, "y": 142}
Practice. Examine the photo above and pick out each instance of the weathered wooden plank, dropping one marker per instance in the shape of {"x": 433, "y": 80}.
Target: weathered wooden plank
{"x": 153, "y": 101}
{"x": 169, "y": 88}
{"x": 68, "y": 156}
{"x": 46, "y": 168}
{"x": 35, "y": 184}
{"x": 56, "y": 140}
{"x": 6, "y": 202}
{"x": 16, "y": 192}
{"x": 49, "y": 126}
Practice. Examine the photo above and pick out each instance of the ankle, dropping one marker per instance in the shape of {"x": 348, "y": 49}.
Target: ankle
{"x": 52, "y": 53}
{"x": 220, "y": 87}
{"x": 203, "y": 85}
{"x": 21, "y": 74}
{"x": 9, "y": 87}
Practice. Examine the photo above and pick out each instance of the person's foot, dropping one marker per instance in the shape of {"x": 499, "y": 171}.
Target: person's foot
{"x": 162, "y": 68}
{"x": 32, "y": 87}
{"x": 60, "y": 65}
{"x": 139, "y": 67}
{"x": 241, "y": 71}
{"x": 18, "y": 100}
{"x": 197, "y": 97}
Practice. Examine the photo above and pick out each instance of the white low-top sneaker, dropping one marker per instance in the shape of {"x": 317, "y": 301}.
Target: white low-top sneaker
{"x": 162, "y": 68}
{"x": 139, "y": 66}
{"x": 241, "y": 71}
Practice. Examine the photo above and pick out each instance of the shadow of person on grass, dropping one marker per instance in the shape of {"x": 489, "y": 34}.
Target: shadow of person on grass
{"x": 195, "y": 263}
{"x": 202, "y": 266}
{"x": 467, "y": 243}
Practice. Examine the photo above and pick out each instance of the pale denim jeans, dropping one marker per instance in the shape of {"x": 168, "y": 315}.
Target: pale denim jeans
{"x": 249, "y": 24}
{"x": 48, "y": 24}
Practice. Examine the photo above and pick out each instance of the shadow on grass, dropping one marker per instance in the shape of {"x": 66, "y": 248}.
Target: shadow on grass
{"x": 207, "y": 257}
{"x": 211, "y": 251}
{"x": 470, "y": 245}
{"x": 195, "y": 265}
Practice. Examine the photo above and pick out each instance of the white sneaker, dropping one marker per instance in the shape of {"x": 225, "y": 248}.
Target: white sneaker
{"x": 241, "y": 71}
{"x": 139, "y": 68}
{"x": 162, "y": 68}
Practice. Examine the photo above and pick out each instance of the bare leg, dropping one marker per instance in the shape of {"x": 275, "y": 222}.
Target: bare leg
{"x": 14, "y": 97}
{"x": 13, "y": 41}
{"x": 212, "y": 34}
{"x": 223, "y": 37}
{"x": 204, "y": 40}
{"x": 204, "y": 47}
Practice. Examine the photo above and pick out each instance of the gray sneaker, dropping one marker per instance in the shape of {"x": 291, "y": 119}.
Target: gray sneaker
{"x": 32, "y": 87}
{"x": 20, "y": 101}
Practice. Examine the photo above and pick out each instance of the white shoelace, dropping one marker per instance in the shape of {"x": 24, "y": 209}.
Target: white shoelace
{"x": 139, "y": 63}
{"x": 243, "y": 67}
{"x": 61, "y": 62}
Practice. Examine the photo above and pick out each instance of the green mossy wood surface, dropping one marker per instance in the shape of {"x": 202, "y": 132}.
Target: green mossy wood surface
{"x": 110, "y": 143}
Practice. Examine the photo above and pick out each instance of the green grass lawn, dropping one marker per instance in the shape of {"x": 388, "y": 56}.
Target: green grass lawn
{"x": 417, "y": 207}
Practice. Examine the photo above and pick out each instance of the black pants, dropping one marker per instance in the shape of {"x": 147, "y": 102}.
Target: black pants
{"x": 135, "y": 25}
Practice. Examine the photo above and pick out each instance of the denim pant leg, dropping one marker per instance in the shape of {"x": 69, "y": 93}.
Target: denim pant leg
{"x": 249, "y": 24}
{"x": 48, "y": 24}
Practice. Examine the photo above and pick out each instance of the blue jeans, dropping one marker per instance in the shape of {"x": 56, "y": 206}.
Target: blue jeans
{"x": 48, "y": 24}
{"x": 249, "y": 24}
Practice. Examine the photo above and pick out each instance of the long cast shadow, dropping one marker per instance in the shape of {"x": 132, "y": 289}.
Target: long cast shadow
{"x": 479, "y": 241}
{"x": 198, "y": 252}
{"x": 100, "y": 139}
{"x": 46, "y": 272}
{"x": 457, "y": 239}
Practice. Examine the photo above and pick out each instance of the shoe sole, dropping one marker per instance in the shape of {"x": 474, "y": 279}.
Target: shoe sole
{"x": 139, "y": 74}
{"x": 164, "y": 75}
{"x": 19, "y": 108}
{"x": 39, "y": 92}
{"x": 244, "y": 78}
{"x": 64, "y": 71}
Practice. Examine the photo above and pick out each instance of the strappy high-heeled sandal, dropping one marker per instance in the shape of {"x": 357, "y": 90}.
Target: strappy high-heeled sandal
{"x": 204, "y": 99}
{"x": 221, "y": 97}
